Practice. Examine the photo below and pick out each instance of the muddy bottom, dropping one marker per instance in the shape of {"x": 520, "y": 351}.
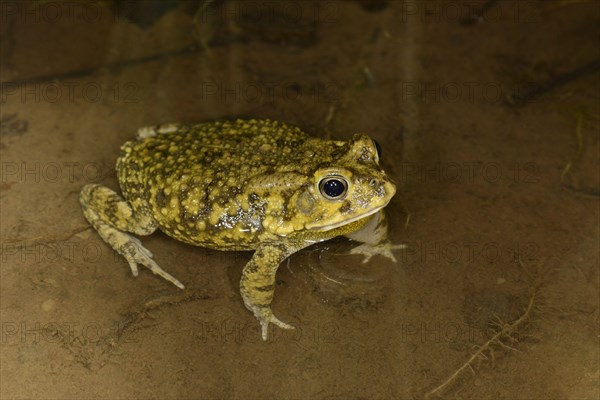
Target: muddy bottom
{"x": 489, "y": 122}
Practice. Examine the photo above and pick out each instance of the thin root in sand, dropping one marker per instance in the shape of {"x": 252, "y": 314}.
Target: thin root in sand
{"x": 505, "y": 337}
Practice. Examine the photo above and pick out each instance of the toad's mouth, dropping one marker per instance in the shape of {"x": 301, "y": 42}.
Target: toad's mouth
{"x": 325, "y": 228}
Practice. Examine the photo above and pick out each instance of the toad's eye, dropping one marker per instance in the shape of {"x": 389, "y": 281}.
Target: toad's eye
{"x": 333, "y": 187}
{"x": 378, "y": 148}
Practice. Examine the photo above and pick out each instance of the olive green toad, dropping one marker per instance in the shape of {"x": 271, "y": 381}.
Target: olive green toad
{"x": 243, "y": 185}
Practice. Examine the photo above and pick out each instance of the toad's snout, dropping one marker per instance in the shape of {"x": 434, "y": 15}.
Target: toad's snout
{"x": 383, "y": 188}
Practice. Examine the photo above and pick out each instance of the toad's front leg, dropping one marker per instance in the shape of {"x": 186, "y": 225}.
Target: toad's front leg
{"x": 257, "y": 284}
{"x": 374, "y": 236}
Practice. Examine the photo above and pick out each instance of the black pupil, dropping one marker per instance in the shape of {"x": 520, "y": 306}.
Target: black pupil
{"x": 334, "y": 187}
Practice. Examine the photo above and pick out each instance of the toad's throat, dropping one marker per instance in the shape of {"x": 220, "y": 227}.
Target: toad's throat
{"x": 324, "y": 228}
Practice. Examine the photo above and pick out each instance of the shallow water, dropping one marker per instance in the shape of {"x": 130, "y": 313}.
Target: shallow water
{"x": 495, "y": 203}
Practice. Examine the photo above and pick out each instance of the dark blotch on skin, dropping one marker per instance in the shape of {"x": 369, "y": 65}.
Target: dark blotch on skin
{"x": 266, "y": 288}
{"x": 346, "y": 207}
{"x": 161, "y": 199}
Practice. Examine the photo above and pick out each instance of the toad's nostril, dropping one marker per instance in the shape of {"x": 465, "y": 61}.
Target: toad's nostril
{"x": 373, "y": 182}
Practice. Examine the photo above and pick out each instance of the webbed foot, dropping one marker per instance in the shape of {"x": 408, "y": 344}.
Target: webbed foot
{"x": 265, "y": 317}
{"x": 382, "y": 249}
{"x": 135, "y": 253}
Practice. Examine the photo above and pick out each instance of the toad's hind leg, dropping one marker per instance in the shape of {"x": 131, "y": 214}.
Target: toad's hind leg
{"x": 112, "y": 216}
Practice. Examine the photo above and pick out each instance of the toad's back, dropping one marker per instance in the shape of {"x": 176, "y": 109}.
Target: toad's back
{"x": 194, "y": 178}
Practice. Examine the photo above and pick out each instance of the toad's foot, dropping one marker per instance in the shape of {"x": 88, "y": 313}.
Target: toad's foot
{"x": 265, "y": 316}
{"x": 382, "y": 249}
{"x": 135, "y": 253}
